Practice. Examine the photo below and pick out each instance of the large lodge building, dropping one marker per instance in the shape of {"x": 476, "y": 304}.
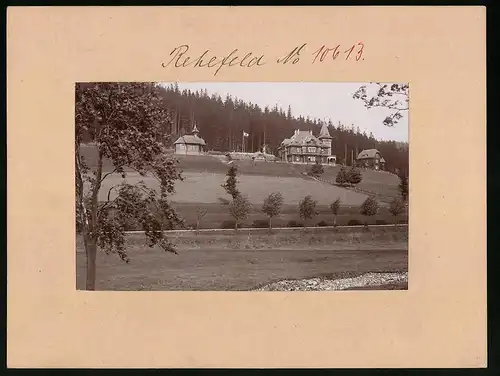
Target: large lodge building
{"x": 305, "y": 148}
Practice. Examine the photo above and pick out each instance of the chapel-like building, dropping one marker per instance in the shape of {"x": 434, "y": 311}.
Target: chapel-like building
{"x": 190, "y": 144}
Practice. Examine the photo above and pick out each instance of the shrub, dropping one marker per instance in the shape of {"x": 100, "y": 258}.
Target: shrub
{"x": 260, "y": 223}
{"x": 354, "y": 222}
{"x": 354, "y": 176}
{"x": 397, "y": 206}
{"x": 317, "y": 169}
{"x": 294, "y": 223}
{"x": 230, "y": 224}
{"x": 381, "y": 222}
{"x": 342, "y": 178}
{"x": 369, "y": 207}
{"x": 322, "y": 224}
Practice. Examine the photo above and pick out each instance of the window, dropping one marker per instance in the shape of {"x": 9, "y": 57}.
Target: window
{"x": 311, "y": 149}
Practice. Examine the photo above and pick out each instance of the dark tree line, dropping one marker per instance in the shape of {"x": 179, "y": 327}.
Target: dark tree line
{"x": 221, "y": 122}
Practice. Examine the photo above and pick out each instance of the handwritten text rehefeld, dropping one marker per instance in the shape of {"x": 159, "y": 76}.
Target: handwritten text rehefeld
{"x": 180, "y": 57}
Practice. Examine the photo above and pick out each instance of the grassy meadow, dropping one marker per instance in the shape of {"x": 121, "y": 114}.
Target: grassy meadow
{"x": 203, "y": 176}
{"x": 243, "y": 260}
{"x": 248, "y": 258}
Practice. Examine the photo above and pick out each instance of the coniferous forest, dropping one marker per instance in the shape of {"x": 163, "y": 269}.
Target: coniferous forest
{"x": 221, "y": 122}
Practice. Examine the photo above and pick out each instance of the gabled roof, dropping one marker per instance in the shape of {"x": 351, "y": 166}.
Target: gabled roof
{"x": 190, "y": 139}
{"x": 303, "y": 138}
{"x": 368, "y": 153}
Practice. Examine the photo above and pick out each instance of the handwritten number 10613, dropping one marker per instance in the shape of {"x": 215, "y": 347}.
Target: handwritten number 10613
{"x": 353, "y": 52}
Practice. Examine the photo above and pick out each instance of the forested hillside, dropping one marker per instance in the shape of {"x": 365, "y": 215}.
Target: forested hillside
{"x": 221, "y": 122}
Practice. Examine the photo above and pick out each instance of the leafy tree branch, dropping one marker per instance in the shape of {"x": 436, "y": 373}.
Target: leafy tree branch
{"x": 394, "y": 97}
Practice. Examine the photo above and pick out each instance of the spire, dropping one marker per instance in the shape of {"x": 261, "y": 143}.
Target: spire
{"x": 195, "y": 130}
{"x": 324, "y": 133}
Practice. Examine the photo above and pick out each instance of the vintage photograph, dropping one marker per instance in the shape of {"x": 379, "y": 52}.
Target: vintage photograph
{"x": 241, "y": 186}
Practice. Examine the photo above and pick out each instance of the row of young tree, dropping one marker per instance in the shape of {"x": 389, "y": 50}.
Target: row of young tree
{"x": 240, "y": 207}
{"x": 222, "y": 121}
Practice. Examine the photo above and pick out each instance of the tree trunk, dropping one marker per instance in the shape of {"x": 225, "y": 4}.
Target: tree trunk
{"x": 335, "y": 221}
{"x": 197, "y": 226}
{"x": 91, "y": 249}
{"x": 91, "y": 253}
{"x": 235, "y": 225}
{"x": 270, "y": 224}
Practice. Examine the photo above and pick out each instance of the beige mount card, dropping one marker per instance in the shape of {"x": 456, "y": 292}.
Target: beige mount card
{"x": 439, "y": 321}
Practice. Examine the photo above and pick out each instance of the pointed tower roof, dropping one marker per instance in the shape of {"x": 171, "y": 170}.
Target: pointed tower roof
{"x": 195, "y": 130}
{"x": 324, "y": 133}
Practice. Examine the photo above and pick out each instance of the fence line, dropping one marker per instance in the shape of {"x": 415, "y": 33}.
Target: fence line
{"x": 261, "y": 229}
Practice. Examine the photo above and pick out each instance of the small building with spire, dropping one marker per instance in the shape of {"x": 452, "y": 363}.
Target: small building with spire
{"x": 305, "y": 148}
{"x": 190, "y": 144}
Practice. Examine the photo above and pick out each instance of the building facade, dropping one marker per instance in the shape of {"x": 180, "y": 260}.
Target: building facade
{"x": 370, "y": 158}
{"x": 305, "y": 148}
{"x": 190, "y": 144}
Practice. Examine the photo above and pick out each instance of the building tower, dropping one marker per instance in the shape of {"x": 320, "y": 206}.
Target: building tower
{"x": 326, "y": 138}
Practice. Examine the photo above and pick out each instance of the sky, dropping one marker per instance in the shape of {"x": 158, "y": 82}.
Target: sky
{"x": 317, "y": 100}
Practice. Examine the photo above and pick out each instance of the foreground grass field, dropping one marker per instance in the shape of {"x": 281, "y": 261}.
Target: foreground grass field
{"x": 243, "y": 260}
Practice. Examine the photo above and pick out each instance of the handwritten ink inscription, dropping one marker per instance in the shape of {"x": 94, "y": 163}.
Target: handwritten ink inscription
{"x": 180, "y": 57}
{"x": 294, "y": 54}
{"x": 324, "y": 52}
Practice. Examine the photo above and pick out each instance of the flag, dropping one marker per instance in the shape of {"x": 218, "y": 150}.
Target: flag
{"x": 245, "y": 134}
